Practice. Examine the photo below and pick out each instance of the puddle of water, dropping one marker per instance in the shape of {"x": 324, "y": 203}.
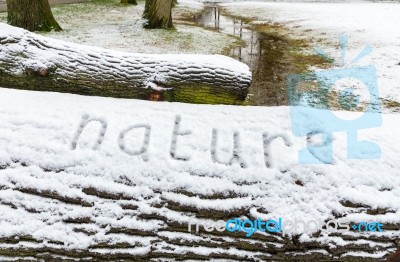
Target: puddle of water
{"x": 212, "y": 18}
{"x": 268, "y": 55}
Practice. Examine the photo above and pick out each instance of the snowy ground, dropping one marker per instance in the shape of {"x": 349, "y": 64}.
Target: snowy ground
{"x": 111, "y": 25}
{"x": 3, "y": 5}
{"x": 323, "y": 23}
{"x": 121, "y": 28}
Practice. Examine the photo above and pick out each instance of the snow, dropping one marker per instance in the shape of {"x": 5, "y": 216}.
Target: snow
{"x": 45, "y": 180}
{"x": 192, "y": 4}
{"x": 364, "y": 254}
{"x": 37, "y": 130}
{"x": 160, "y": 67}
{"x": 120, "y": 28}
{"x": 364, "y": 23}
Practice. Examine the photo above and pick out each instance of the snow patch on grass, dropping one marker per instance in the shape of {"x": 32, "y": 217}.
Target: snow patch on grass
{"x": 322, "y": 24}
{"x": 111, "y": 25}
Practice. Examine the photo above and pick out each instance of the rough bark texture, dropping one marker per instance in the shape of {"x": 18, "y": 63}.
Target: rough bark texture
{"x": 172, "y": 241}
{"x": 31, "y": 15}
{"x": 33, "y": 62}
{"x": 158, "y": 13}
{"x": 132, "y": 2}
{"x": 64, "y": 197}
{"x": 395, "y": 257}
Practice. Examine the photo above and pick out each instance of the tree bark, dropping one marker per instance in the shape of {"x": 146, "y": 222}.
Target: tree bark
{"x": 72, "y": 188}
{"x": 173, "y": 240}
{"x": 31, "y": 15}
{"x": 33, "y": 62}
{"x": 158, "y": 13}
{"x": 132, "y": 2}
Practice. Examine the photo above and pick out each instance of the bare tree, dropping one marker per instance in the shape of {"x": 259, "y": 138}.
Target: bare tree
{"x": 33, "y": 15}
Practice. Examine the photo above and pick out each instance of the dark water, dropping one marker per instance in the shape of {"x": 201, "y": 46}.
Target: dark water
{"x": 272, "y": 56}
{"x": 263, "y": 53}
{"x": 250, "y": 53}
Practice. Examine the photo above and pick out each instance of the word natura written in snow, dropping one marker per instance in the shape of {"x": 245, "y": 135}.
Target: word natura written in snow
{"x": 142, "y": 147}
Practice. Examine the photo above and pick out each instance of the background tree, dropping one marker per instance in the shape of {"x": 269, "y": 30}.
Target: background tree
{"x": 158, "y": 13}
{"x": 33, "y": 15}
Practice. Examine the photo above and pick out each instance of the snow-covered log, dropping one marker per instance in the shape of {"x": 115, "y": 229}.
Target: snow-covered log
{"x": 34, "y": 62}
{"x": 110, "y": 180}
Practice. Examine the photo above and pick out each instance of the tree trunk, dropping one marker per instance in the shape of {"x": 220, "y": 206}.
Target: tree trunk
{"x": 395, "y": 257}
{"x": 103, "y": 180}
{"x": 132, "y": 2}
{"x": 158, "y": 13}
{"x": 94, "y": 205}
{"x": 33, "y": 15}
{"x": 30, "y": 61}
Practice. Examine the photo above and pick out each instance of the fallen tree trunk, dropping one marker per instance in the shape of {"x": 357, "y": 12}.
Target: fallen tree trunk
{"x": 32, "y": 62}
{"x": 105, "y": 180}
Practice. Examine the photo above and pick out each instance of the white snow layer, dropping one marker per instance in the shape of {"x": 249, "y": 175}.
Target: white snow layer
{"x": 39, "y": 152}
